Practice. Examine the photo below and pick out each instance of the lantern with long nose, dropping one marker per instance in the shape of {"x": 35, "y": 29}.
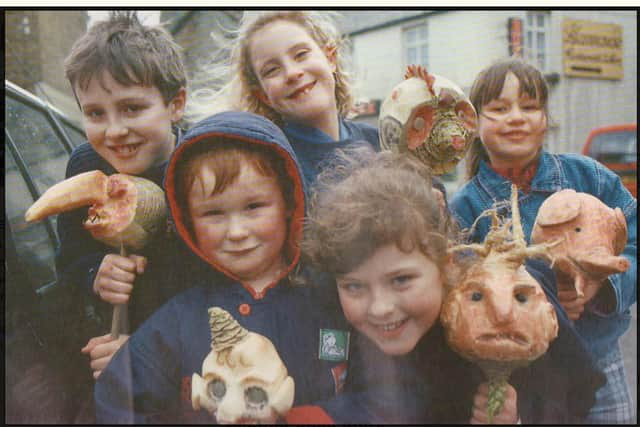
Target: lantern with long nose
{"x": 124, "y": 212}
{"x": 497, "y": 315}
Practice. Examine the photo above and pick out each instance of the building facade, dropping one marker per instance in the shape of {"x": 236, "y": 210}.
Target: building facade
{"x": 457, "y": 44}
{"x": 36, "y": 43}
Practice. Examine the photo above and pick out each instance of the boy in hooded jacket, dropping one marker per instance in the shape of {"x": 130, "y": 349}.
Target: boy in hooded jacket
{"x": 236, "y": 196}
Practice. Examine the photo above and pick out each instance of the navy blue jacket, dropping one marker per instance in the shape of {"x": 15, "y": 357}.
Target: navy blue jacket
{"x": 313, "y": 147}
{"x": 148, "y": 380}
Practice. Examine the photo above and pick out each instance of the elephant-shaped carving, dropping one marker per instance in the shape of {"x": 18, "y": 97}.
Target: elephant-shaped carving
{"x": 591, "y": 236}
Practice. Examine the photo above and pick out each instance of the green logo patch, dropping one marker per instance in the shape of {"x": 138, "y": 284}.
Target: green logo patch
{"x": 334, "y": 345}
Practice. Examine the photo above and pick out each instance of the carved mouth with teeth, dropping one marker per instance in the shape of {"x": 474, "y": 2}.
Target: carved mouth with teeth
{"x": 514, "y": 337}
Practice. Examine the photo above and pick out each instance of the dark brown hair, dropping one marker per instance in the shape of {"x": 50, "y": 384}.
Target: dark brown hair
{"x": 132, "y": 53}
{"x": 488, "y": 85}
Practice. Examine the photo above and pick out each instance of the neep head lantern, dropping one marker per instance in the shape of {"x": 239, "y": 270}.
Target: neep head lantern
{"x": 123, "y": 209}
{"x": 243, "y": 378}
{"x": 590, "y": 236}
{"x": 497, "y": 314}
{"x": 430, "y": 117}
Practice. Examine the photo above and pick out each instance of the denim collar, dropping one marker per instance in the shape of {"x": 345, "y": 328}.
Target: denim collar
{"x": 549, "y": 178}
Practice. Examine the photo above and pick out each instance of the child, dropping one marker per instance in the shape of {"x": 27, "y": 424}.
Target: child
{"x": 129, "y": 81}
{"x": 511, "y": 99}
{"x": 378, "y": 230}
{"x": 288, "y": 66}
{"x": 236, "y": 195}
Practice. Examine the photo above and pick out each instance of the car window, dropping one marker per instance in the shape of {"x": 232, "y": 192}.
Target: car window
{"x": 614, "y": 147}
{"x": 37, "y": 142}
{"x": 77, "y": 136}
{"x": 34, "y": 248}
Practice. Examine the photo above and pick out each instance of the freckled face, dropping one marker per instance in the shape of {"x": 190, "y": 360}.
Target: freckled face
{"x": 242, "y": 229}
{"x": 129, "y": 126}
{"x": 393, "y": 298}
{"x": 295, "y": 74}
{"x": 512, "y": 127}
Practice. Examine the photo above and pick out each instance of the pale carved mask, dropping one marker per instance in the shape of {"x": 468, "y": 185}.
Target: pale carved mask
{"x": 243, "y": 378}
{"x": 430, "y": 117}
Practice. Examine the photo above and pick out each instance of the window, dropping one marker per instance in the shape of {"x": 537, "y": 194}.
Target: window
{"x": 35, "y": 158}
{"x": 33, "y": 246}
{"x": 536, "y": 38}
{"x": 415, "y": 45}
{"x": 37, "y": 142}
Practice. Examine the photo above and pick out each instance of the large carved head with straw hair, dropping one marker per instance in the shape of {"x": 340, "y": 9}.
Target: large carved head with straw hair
{"x": 243, "y": 378}
{"x": 497, "y": 311}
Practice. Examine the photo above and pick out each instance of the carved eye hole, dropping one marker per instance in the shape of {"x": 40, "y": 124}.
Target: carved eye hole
{"x": 217, "y": 389}
{"x": 521, "y": 298}
{"x": 256, "y": 396}
{"x": 578, "y": 229}
{"x": 476, "y": 296}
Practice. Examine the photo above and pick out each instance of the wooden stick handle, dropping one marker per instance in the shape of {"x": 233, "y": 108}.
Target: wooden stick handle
{"x": 119, "y": 310}
{"x": 116, "y": 321}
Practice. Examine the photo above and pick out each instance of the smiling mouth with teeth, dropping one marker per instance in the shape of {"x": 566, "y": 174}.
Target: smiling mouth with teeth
{"x": 126, "y": 149}
{"x": 303, "y": 90}
{"x": 391, "y": 326}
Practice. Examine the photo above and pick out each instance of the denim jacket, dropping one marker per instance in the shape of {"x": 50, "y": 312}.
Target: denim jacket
{"x": 556, "y": 172}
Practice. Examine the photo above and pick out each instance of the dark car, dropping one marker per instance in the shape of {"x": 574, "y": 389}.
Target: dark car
{"x": 45, "y": 322}
{"x": 616, "y": 147}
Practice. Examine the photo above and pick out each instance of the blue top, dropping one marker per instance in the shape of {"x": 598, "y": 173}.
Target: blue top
{"x": 312, "y": 146}
{"x": 556, "y": 172}
{"x": 149, "y": 378}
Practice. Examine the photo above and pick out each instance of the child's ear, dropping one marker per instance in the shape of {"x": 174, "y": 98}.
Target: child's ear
{"x": 330, "y": 52}
{"x": 177, "y": 105}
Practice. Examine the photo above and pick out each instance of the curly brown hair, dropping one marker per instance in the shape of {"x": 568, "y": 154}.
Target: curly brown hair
{"x": 365, "y": 200}
{"x": 488, "y": 85}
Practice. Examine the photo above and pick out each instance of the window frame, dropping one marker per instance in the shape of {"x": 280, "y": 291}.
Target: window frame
{"x": 57, "y": 121}
{"x": 530, "y": 53}
{"x": 421, "y": 42}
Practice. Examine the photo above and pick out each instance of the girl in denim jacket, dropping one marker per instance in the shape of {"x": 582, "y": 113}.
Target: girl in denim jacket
{"x": 511, "y": 98}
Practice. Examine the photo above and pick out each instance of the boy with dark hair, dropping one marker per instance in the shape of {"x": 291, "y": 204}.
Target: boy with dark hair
{"x": 130, "y": 84}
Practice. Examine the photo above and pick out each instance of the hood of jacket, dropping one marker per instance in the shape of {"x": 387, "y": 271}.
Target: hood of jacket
{"x": 246, "y": 128}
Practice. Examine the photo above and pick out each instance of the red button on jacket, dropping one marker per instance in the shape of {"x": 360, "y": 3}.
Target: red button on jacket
{"x": 244, "y": 309}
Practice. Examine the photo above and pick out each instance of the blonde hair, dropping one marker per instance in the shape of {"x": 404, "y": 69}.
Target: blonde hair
{"x": 239, "y": 91}
{"x": 489, "y": 84}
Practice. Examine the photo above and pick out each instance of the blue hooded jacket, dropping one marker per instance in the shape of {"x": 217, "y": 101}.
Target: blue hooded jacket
{"x": 149, "y": 379}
